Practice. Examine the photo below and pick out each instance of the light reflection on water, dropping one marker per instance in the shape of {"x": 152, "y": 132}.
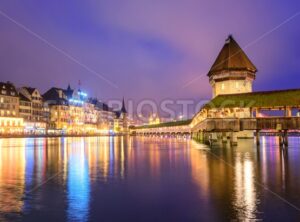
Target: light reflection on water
{"x": 125, "y": 178}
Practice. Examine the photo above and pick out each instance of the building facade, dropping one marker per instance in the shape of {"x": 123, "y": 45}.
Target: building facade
{"x": 10, "y": 122}
{"x": 71, "y": 112}
{"x": 32, "y": 110}
{"x": 58, "y": 111}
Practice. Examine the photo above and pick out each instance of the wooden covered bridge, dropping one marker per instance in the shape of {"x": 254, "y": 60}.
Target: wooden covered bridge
{"x": 174, "y": 129}
{"x": 229, "y": 117}
{"x": 235, "y": 111}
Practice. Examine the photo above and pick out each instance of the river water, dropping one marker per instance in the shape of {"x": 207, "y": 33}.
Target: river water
{"x": 148, "y": 179}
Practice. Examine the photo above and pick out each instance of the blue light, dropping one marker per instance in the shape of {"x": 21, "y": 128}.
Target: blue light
{"x": 78, "y": 185}
{"x": 75, "y": 101}
{"x": 82, "y": 94}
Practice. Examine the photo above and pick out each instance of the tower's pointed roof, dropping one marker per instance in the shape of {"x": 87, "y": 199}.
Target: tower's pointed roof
{"x": 69, "y": 87}
{"x": 232, "y": 57}
{"x": 69, "y": 92}
{"x": 123, "y": 109}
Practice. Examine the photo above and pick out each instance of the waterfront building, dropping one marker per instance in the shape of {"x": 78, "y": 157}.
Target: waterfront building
{"x": 90, "y": 116}
{"x": 66, "y": 111}
{"x": 76, "y": 112}
{"x": 57, "y": 111}
{"x": 105, "y": 116}
{"x": 32, "y": 110}
{"x": 24, "y": 108}
{"x": 10, "y": 122}
{"x": 71, "y": 112}
{"x": 57, "y": 102}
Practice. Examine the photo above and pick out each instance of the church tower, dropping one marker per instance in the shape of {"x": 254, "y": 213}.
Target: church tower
{"x": 124, "y": 116}
{"x": 232, "y": 72}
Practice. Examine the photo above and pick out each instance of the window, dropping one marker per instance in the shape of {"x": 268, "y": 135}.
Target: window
{"x": 237, "y": 85}
{"x": 223, "y": 86}
{"x": 1, "y": 100}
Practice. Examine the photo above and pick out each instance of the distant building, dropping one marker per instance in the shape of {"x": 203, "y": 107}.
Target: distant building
{"x": 154, "y": 119}
{"x": 10, "y": 123}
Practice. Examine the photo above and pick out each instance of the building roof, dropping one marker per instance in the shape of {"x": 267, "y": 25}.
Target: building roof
{"x": 278, "y": 98}
{"x": 8, "y": 89}
{"x": 23, "y": 98}
{"x": 122, "y": 110}
{"x": 233, "y": 58}
{"x": 101, "y": 105}
{"x": 55, "y": 95}
{"x": 166, "y": 124}
{"x": 30, "y": 90}
{"x": 68, "y": 92}
{"x": 118, "y": 114}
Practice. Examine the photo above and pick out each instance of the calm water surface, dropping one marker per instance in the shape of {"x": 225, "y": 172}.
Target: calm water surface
{"x": 147, "y": 179}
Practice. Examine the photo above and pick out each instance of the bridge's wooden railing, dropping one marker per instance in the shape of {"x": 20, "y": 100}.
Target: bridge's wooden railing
{"x": 284, "y": 123}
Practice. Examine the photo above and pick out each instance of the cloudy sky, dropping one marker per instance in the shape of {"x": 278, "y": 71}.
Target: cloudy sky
{"x": 141, "y": 49}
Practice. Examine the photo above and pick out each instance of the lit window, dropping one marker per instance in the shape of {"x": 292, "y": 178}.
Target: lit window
{"x": 223, "y": 86}
{"x": 237, "y": 85}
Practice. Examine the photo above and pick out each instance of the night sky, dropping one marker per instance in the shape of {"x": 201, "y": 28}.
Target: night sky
{"x": 145, "y": 49}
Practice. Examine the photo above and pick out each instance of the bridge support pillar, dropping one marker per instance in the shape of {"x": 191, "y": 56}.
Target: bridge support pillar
{"x": 285, "y": 138}
{"x": 257, "y": 138}
{"x": 233, "y": 139}
{"x": 224, "y": 138}
{"x": 281, "y": 138}
{"x": 214, "y": 137}
{"x": 205, "y": 137}
{"x": 201, "y": 136}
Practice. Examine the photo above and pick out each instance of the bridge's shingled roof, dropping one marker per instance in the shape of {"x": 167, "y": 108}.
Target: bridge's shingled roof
{"x": 264, "y": 99}
{"x": 166, "y": 124}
